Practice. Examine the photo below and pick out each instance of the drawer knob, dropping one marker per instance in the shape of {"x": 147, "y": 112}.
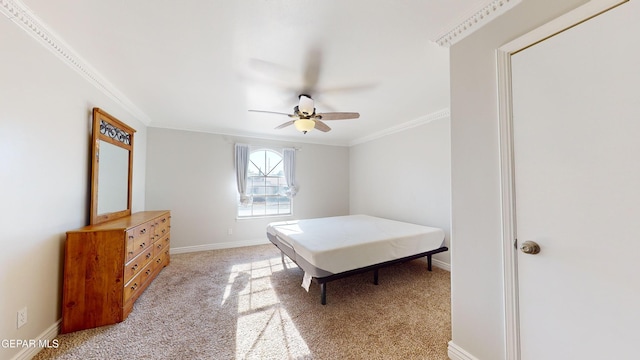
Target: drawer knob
{"x": 135, "y": 267}
{"x": 143, "y": 245}
{"x": 148, "y": 271}
{"x": 143, "y": 231}
{"x": 148, "y": 255}
{"x": 134, "y": 286}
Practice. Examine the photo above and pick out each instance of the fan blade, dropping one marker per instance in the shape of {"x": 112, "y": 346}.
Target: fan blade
{"x": 312, "y": 69}
{"x": 321, "y": 126}
{"x": 338, "y": 115}
{"x": 346, "y": 88}
{"x": 271, "y": 69}
{"x": 284, "y": 125}
{"x": 275, "y": 112}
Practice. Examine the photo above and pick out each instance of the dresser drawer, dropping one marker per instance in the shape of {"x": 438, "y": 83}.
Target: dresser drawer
{"x": 137, "y": 282}
{"x": 129, "y": 247}
{"x": 138, "y": 239}
{"x": 161, "y": 226}
{"x": 161, "y": 244}
{"x": 134, "y": 266}
{"x": 161, "y": 259}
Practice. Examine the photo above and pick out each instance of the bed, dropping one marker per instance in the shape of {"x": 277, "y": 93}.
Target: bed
{"x": 331, "y": 248}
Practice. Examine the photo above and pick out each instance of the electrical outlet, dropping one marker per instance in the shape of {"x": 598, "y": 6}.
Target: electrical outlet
{"x": 22, "y": 317}
{"x": 230, "y": 231}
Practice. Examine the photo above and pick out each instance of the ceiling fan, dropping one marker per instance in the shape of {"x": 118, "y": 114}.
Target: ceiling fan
{"x": 305, "y": 118}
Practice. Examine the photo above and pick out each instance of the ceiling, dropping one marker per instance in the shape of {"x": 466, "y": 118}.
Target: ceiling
{"x": 201, "y": 64}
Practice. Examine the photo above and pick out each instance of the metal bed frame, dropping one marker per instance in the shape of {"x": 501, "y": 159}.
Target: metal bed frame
{"x": 322, "y": 281}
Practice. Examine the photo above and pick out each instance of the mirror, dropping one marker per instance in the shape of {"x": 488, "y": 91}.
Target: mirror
{"x": 111, "y": 168}
{"x": 113, "y": 178}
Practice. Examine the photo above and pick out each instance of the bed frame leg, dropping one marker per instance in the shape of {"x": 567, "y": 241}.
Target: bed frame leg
{"x": 429, "y": 262}
{"x": 375, "y": 277}
{"x": 323, "y": 293}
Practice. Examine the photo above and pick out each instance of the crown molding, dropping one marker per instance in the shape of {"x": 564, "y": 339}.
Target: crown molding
{"x": 441, "y": 114}
{"x": 22, "y": 16}
{"x": 474, "y": 22}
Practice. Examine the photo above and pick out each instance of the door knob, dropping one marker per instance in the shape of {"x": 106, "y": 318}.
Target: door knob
{"x": 530, "y": 247}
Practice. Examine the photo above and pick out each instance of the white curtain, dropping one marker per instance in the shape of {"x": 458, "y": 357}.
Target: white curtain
{"x": 289, "y": 157}
{"x": 242, "y": 168}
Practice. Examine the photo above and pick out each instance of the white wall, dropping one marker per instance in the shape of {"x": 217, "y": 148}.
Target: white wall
{"x": 45, "y": 120}
{"x": 476, "y": 256}
{"x": 405, "y": 176}
{"x": 192, "y": 174}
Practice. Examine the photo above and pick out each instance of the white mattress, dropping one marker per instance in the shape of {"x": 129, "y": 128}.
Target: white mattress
{"x": 342, "y": 243}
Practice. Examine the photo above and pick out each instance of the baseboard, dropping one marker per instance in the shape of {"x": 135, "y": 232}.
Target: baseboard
{"x": 219, "y": 246}
{"x": 457, "y": 353}
{"x": 441, "y": 264}
{"x": 44, "y": 339}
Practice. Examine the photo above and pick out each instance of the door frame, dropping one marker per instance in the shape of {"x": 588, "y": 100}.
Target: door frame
{"x": 505, "y": 114}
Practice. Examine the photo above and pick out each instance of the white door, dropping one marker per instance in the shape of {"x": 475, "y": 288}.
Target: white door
{"x": 576, "y": 124}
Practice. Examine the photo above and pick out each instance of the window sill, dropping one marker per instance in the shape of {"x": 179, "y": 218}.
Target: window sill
{"x": 262, "y": 217}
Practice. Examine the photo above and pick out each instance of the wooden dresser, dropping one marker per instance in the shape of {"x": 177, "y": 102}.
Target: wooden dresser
{"x": 107, "y": 267}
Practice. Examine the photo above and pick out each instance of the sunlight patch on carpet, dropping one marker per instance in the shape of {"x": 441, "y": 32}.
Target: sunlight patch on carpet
{"x": 263, "y": 326}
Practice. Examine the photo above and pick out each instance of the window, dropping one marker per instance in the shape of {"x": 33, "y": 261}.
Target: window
{"x": 266, "y": 185}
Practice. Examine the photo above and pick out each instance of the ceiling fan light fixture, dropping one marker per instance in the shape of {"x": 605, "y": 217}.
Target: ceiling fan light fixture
{"x": 305, "y": 119}
{"x": 304, "y": 125}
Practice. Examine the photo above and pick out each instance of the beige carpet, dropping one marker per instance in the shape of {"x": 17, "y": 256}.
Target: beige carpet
{"x": 244, "y": 303}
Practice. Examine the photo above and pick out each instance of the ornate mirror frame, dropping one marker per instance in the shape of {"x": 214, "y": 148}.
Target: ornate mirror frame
{"x": 109, "y": 130}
